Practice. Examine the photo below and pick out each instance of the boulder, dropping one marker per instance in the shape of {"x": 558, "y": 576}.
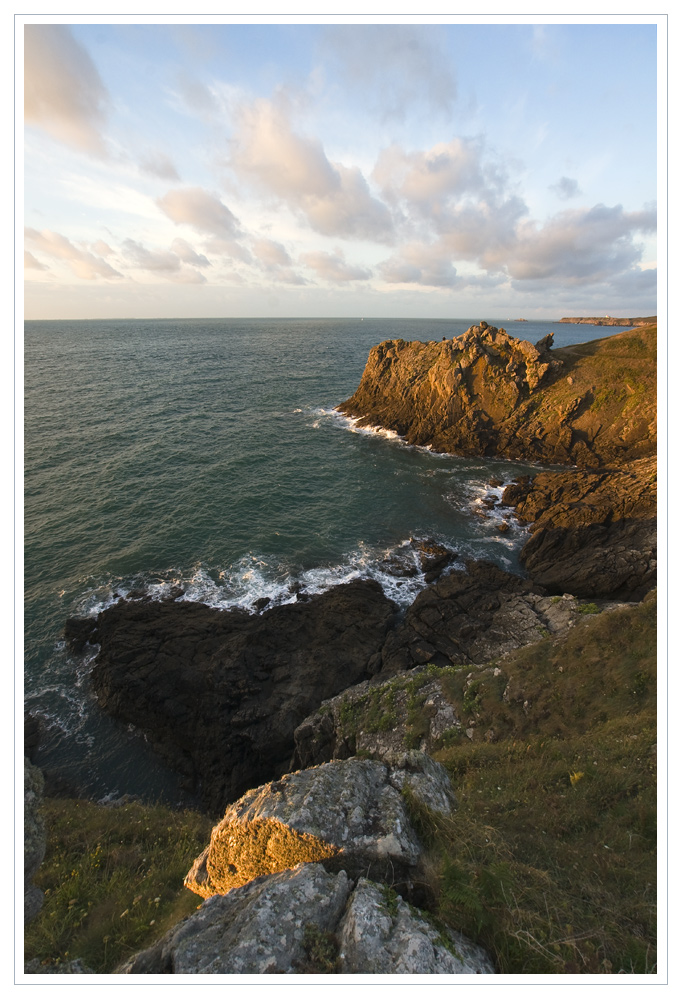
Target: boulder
{"x": 34, "y": 838}
{"x": 347, "y": 814}
{"x": 382, "y": 934}
{"x": 260, "y": 928}
{"x": 220, "y": 693}
{"x": 307, "y": 920}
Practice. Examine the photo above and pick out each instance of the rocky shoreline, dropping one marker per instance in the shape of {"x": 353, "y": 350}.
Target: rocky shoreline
{"x": 233, "y": 700}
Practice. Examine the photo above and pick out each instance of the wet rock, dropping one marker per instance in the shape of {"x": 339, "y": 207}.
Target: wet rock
{"x": 468, "y": 616}
{"x": 220, "y": 693}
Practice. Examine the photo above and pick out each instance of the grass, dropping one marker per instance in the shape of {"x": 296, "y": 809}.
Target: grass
{"x": 549, "y": 861}
{"x": 113, "y": 880}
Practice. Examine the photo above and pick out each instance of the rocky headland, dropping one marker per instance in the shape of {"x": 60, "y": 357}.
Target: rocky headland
{"x": 237, "y": 702}
{"x": 611, "y": 321}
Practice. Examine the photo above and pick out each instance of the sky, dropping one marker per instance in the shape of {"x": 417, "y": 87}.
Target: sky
{"x": 379, "y": 170}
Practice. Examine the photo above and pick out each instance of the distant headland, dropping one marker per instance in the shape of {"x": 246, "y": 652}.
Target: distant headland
{"x": 610, "y": 320}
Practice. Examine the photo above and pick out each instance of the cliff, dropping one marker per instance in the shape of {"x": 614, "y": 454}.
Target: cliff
{"x": 487, "y": 393}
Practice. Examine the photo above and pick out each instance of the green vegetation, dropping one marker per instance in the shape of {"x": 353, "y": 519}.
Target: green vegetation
{"x": 321, "y": 952}
{"x": 549, "y": 861}
{"x": 113, "y": 880}
{"x": 588, "y": 609}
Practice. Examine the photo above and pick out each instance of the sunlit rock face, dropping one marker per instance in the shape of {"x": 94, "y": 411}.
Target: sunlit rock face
{"x": 487, "y": 393}
{"x": 350, "y": 814}
{"x": 307, "y": 920}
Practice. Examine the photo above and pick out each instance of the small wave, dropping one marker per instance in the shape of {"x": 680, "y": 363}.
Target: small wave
{"x": 352, "y": 424}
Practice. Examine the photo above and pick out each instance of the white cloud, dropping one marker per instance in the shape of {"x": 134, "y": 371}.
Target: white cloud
{"x": 579, "y": 246}
{"x": 164, "y": 262}
{"x": 32, "y": 263}
{"x": 63, "y": 92}
{"x": 188, "y": 254}
{"x": 158, "y": 164}
{"x": 203, "y": 211}
{"x": 419, "y": 264}
{"x": 83, "y": 263}
{"x": 334, "y": 199}
{"x": 333, "y": 267}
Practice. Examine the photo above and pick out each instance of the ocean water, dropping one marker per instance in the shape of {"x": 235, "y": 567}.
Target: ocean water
{"x": 208, "y": 453}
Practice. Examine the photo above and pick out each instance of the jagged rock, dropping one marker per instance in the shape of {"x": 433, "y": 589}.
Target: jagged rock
{"x": 306, "y": 920}
{"x": 468, "y": 616}
{"x": 34, "y": 838}
{"x": 594, "y": 533}
{"x": 617, "y": 560}
{"x": 486, "y": 393}
{"x": 220, "y": 693}
{"x": 349, "y": 814}
{"x": 259, "y": 928}
{"x": 384, "y": 935}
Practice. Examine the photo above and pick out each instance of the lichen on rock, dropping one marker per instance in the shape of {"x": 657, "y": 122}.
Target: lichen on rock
{"x": 348, "y": 814}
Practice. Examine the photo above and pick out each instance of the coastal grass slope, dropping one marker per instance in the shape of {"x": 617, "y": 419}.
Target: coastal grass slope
{"x": 548, "y": 862}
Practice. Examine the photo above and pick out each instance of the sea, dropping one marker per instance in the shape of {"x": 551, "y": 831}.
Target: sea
{"x": 209, "y": 454}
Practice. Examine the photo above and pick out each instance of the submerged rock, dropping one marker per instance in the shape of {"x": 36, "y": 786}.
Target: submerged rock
{"x": 347, "y": 814}
{"x": 307, "y": 920}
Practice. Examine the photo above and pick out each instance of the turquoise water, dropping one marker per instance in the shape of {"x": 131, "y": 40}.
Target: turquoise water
{"x": 208, "y": 453}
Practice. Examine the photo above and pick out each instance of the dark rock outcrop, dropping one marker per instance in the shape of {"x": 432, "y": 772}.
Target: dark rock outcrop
{"x": 594, "y": 533}
{"x": 220, "y": 693}
{"x": 468, "y": 616}
{"x": 487, "y": 393}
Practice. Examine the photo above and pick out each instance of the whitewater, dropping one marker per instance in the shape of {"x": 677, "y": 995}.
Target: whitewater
{"x": 207, "y": 456}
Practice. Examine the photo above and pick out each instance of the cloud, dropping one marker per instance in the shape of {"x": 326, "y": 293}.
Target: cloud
{"x": 164, "y": 262}
{"x": 159, "y": 165}
{"x": 427, "y": 179}
{"x": 33, "y": 263}
{"x": 579, "y": 246}
{"x": 63, "y": 92}
{"x": 333, "y": 267}
{"x": 84, "y": 264}
{"x": 187, "y": 254}
{"x": 203, "y": 211}
{"x": 270, "y": 253}
{"x": 419, "y": 264}
{"x": 566, "y": 188}
{"x": 393, "y": 66}
{"x": 335, "y": 199}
